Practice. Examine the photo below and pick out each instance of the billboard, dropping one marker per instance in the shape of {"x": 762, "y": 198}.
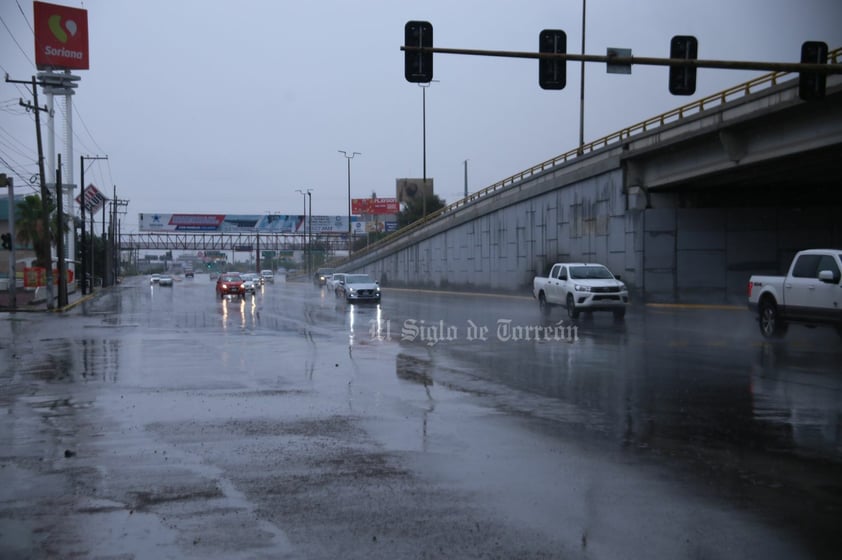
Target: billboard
{"x": 94, "y": 200}
{"x": 360, "y": 228}
{"x": 242, "y": 223}
{"x": 61, "y": 37}
{"x": 408, "y": 190}
{"x": 375, "y": 206}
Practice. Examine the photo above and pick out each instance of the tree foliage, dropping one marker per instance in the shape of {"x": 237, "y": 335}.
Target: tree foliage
{"x": 416, "y": 209}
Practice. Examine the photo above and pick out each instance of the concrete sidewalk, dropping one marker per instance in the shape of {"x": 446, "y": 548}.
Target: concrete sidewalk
{"x": 35, "y": 300}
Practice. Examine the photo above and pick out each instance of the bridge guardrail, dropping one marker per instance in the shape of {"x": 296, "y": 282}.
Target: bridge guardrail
{"x": 674, "y": 115}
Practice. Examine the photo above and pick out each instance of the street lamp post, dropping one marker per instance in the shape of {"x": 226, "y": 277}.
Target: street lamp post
{"x": 582, "y": 87}
{"x": 424, "y": 142}
{"x": 349, "y": 158}
{"x": 310, "y": 232}
{"x": 303, "y": 228}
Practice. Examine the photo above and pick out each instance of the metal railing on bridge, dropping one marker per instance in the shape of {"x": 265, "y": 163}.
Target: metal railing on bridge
{"x": 674, "y": 115}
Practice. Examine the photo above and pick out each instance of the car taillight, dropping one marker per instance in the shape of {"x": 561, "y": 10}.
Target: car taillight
{"x": 749, "y": 288}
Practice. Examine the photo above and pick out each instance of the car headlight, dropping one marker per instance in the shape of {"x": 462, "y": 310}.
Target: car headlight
{"x": 224, "y": 286}
{"x": 581, "y": 288}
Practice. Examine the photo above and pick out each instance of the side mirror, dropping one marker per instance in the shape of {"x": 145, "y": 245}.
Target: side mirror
{"x": 827, "y": 277}
{"x": 618, "y": 277}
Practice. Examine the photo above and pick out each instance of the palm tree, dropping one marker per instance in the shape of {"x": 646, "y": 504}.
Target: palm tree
{"x": 29, "y": 228}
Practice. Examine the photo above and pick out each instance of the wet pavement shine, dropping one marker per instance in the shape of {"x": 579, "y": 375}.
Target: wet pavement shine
{"x": 158, "y": 422}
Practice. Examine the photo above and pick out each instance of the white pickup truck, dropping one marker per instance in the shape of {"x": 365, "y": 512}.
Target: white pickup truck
{"x": 581, "y": 287}
{"x": 810, "y": 293}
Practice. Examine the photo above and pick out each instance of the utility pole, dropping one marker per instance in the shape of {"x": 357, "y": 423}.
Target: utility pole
{"x": 83, "y": 203}
{"x": 46, "y": 244}
{"x": 118, "y": 203}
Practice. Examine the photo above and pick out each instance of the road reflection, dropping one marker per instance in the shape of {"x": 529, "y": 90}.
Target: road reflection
{"x": 791, "y": 389}
{"x": 365, "y": 323}
{"x": 243, "y": 310}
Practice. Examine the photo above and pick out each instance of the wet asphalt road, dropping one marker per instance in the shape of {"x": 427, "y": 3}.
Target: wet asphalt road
{"x": 155, "y": 422}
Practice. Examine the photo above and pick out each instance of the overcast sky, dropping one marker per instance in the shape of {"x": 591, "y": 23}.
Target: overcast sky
{"x": 229, "y": 107}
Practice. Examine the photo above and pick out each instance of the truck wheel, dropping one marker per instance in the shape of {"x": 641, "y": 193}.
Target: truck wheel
{"x": 543, "y": 305}
{"x": 771, "y": 325}
{"x": 572, "y": 312}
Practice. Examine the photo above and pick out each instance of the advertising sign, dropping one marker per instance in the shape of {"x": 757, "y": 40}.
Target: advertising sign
{"x": 242, "y": 223}
{"x": 408, "y": 190}
{"x": 374, "y": 206}
{"x": 36, "y": 276}
{"x": 61, "y": 37}
{"x": 94, "y": 200}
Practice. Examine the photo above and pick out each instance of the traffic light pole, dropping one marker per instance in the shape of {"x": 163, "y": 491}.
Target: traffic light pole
{"x": 646, "y": 61}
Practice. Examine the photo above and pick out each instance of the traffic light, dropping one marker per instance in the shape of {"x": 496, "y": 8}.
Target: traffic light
{"x": 418, "y": 65}
{"x": 683, "y": 78}
{"x": 7, "y": 241}
{"x": 811, "y": 85}
{"x": 552, "y": 72}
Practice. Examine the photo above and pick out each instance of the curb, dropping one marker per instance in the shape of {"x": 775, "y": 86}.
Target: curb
{"x": 35, "y": 306}
{"x": 707, "y": 306}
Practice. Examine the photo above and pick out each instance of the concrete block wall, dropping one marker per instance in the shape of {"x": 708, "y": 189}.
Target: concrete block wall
{"x": 502, "y": 249}
{"x": 706, "y": 255}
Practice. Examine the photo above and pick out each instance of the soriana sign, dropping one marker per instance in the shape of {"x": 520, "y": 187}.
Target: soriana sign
{"x": 61, "y": 37}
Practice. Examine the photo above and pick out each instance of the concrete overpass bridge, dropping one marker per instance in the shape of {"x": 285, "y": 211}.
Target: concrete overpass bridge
{"x": 684, "y": 206}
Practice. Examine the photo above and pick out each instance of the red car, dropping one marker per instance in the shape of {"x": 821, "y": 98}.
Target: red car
{"x": 230, "y": 283}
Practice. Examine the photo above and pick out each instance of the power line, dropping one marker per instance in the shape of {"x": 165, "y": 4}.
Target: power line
{"x": 12, "y": 35}
{"x": 25, "y": 18}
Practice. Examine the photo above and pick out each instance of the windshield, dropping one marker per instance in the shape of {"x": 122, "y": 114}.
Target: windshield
{"x": 590, "y": 272}
{"x": 358, "y": 279}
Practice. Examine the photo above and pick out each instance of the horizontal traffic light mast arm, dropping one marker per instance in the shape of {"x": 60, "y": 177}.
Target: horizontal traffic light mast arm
{"x": 647, "y": 61}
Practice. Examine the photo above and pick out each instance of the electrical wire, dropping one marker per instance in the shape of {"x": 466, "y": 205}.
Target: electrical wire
{"x": 12, "y": 35}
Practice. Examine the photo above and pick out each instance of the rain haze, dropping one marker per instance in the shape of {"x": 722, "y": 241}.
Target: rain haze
{"x": 229, "y": 107}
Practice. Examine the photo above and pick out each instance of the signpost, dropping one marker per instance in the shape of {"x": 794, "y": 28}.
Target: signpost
{"x": 94, "y": 200}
